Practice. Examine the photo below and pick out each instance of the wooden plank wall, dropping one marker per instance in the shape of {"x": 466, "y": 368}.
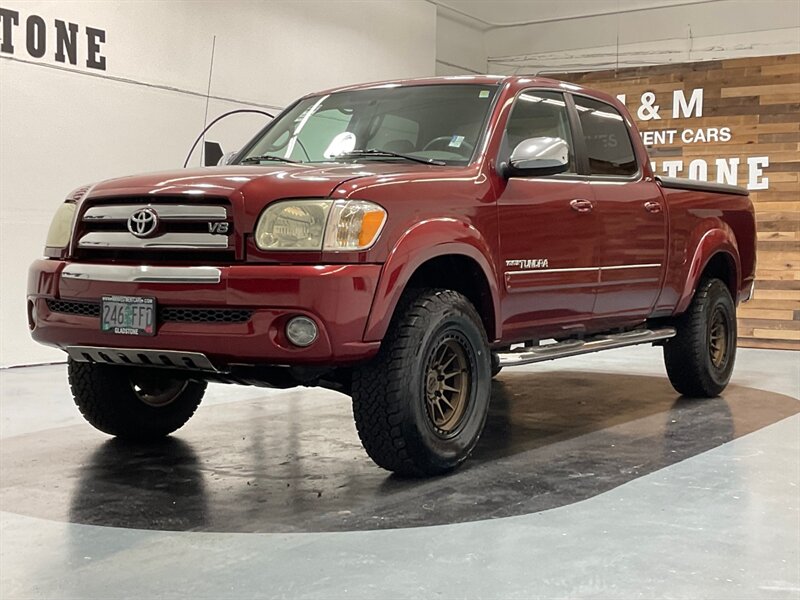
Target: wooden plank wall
{"x": 758, "y": 99}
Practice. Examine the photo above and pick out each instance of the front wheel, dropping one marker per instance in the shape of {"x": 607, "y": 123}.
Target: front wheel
{"x": 421, "y": 404}
{"x": 699, "y": 359}
{"x": 131, "y": 402}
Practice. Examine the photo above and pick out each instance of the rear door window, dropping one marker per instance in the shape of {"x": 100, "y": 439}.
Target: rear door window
{"x": 608, "y": 143}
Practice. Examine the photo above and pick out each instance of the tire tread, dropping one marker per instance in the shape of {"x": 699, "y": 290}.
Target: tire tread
{"x": 685, "y": 354}
{"x": 107, "y": 402}
{"x": 380, "y": 399}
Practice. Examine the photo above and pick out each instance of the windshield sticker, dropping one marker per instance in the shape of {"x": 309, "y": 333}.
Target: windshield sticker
{"x": 341, "y": 144}
{"x": 483, "y": 94}
{"x": 455, "y": 141}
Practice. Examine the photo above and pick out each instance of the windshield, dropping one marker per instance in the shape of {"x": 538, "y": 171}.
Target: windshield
{"x": 440, "y": 124}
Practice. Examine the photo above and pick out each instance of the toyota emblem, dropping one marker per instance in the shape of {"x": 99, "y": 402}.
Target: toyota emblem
{"x": 143, "y": 223}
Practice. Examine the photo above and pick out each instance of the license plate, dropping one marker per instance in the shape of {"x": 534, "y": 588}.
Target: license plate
{"x": 128, "y": 315}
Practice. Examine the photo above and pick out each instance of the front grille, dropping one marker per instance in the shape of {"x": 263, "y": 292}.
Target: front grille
{"x": 148, "y": 257}
{"x": 69, "y": 307}
{"x": 156, "y": 230}
{"x": 205, "y": 315}
{"x": 166, "y": 314}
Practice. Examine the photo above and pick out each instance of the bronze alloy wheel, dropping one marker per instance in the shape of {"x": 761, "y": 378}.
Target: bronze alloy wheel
{"x": 157, "y": 391}
{"x": 420, "y": 405}
{"x": 719, "y": 332}
{"x": 447, "y": 384}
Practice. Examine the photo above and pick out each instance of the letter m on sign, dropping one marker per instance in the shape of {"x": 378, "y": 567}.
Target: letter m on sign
{"x": 694, "y": 105}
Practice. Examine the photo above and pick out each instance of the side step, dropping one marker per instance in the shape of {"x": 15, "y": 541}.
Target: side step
{"x": 536, "y": 354}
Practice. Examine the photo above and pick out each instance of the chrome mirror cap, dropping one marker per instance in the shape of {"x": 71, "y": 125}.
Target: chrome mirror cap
{"x": 226, "y": 159}
{"x": 540, "y": 156}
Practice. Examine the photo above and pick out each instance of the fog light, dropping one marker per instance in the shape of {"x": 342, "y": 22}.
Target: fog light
{"x": 301, "y": 331}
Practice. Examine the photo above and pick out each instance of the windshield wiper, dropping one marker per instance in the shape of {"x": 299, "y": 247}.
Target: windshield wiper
{"x": 389, "y": 154}
{"x": 267, "y": 157}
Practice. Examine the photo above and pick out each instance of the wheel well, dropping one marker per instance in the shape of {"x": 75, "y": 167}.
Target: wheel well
{"x": 460, "y": 274}
{"x": 722, "y": 267}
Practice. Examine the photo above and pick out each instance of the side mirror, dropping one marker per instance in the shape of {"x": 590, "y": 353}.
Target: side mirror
{"x": 212, "y": 153}
{"x": 227, "y": 159}
{"x": 539, "y": 156}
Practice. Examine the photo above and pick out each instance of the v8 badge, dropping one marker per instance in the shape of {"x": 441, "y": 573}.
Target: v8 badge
{"x": 219, "y": 227}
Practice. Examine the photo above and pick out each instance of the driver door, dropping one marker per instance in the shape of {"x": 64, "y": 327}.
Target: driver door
{"x": 548, "y": 231}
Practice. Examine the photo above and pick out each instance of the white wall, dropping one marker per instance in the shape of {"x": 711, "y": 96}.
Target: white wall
{"x": 475, "y": 36}
{"x": 460, "y": 48}
{"x": 64, "y": 126}
{"x": 671, "y": 34}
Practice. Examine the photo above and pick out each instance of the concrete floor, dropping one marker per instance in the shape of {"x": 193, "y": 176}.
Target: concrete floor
{"x": 593, "y": 480}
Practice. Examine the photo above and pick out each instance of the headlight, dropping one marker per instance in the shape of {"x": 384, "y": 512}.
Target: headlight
{"x": 320, "y": 225}
{"x": 60, "y": 231}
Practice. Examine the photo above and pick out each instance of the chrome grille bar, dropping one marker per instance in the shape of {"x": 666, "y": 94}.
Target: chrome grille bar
{"x": 141, "y": 274}
{"x": 168, "y": 241}
{"x": 166, "y": 212}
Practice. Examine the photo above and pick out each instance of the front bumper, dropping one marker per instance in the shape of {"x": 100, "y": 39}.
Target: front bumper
{"x": 337, "y": 297}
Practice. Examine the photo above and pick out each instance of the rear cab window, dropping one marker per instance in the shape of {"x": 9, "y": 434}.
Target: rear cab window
{"x": 607, "y": 139}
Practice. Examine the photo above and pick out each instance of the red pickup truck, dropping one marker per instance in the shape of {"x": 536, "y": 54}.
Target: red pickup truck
{"x": 400, "y": 242}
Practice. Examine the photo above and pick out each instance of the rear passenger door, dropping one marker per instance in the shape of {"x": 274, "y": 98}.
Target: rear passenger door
{"x": 632, "y": 239}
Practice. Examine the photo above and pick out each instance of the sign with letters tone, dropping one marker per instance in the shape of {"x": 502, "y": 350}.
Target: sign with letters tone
{"x": 32, "y": 37}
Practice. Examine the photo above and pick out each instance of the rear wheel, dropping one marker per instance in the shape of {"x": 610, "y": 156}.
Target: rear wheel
{"x": 421, "y": 404}
{"x": 131, "y": 402}
{"x": 700, "y": 358}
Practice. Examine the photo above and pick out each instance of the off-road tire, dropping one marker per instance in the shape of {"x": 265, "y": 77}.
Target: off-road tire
{"x": 689, "y": 356}
{"x": 108, "y": 400}
{"x": 391, "y": 394}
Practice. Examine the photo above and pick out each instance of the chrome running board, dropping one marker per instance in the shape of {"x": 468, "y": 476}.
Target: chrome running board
{"x": 165, "y": 359}
{"x": 528, "y": 355}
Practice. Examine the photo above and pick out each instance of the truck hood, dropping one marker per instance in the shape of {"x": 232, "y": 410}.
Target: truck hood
{"x": 249, "y": 187}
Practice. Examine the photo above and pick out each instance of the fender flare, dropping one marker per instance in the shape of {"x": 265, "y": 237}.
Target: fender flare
{"x": 713, "y": 242}
{"x": 420, "y": 243}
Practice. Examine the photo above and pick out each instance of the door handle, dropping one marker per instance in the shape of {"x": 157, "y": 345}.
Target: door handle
{"x": 581, "y": 205}
{"x": 652, "y": 207}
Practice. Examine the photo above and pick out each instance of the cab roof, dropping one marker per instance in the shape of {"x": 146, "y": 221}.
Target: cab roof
{"x": 451, "y": 79}
{"x": 516, "y": 82}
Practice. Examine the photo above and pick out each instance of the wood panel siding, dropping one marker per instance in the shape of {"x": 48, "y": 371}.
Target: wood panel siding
{"x": 758, "y": 100}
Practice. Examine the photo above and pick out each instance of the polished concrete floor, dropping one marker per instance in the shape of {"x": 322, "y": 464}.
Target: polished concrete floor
{"x": 598, "y": 483}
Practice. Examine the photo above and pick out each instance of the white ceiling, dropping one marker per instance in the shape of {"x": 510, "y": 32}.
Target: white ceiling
{"x": 505, "y": 13}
